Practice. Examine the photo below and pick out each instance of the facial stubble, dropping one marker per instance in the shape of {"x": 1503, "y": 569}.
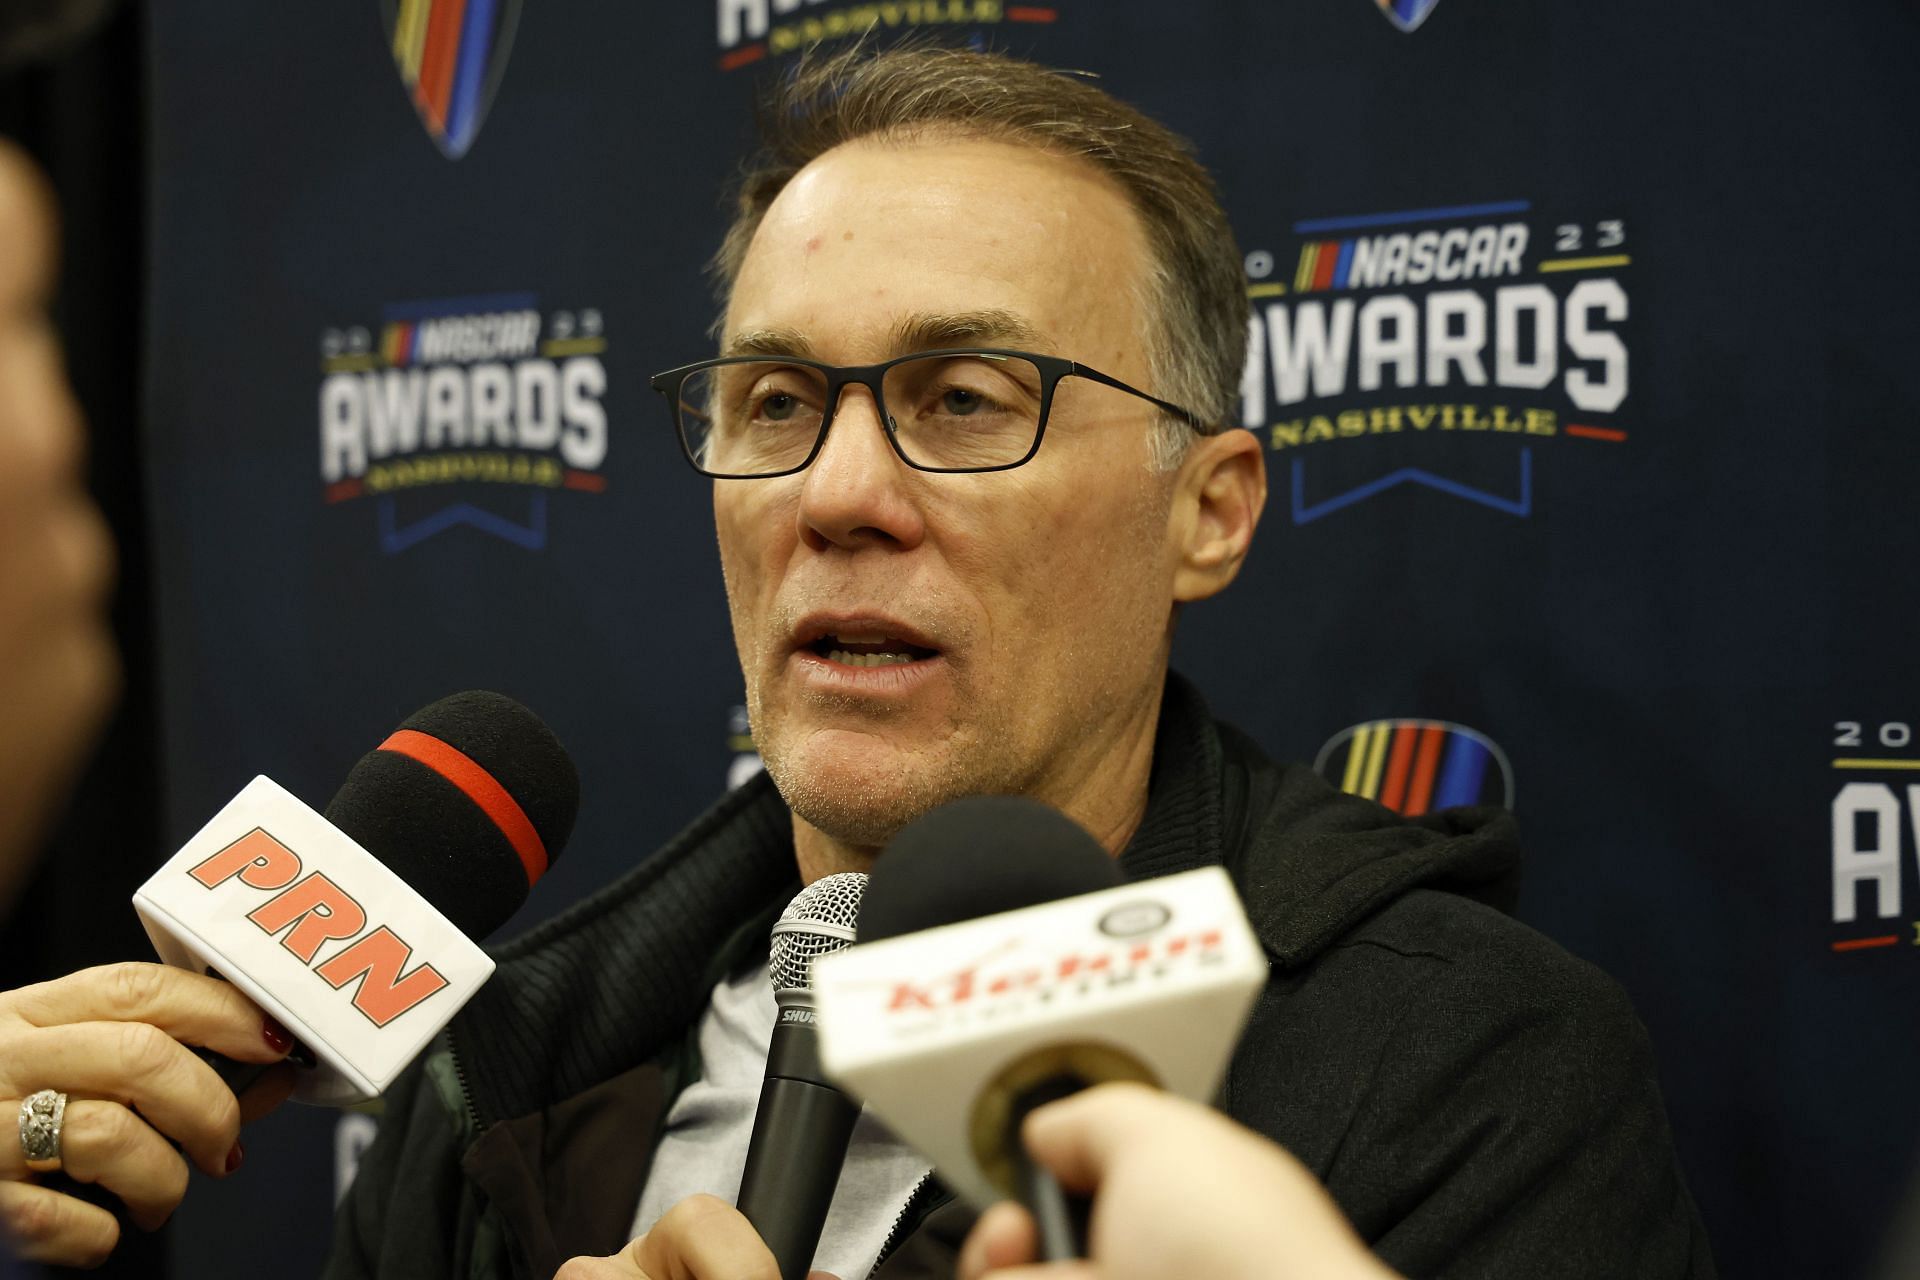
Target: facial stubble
{"x": 979, "y": 749}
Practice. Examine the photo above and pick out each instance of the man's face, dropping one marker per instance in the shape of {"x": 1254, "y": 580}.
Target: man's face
{"x": 1020, "y": 617}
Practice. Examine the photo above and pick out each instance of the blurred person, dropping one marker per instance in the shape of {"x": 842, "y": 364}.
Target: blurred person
{"x": 58, "y": 668}
{"x": 107, "y": 1034}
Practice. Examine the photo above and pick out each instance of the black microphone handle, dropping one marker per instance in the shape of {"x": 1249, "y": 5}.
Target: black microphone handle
{"x": 800, "y": 1136}
{"x": 1061, "y": 1218}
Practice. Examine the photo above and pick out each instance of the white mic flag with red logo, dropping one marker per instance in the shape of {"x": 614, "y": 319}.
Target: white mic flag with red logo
{"x": 938, "y": 1031}
{"x": 318, "y": 933}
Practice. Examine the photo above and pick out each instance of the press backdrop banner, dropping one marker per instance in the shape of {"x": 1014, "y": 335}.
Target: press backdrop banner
{"x": 1582, "y": 352}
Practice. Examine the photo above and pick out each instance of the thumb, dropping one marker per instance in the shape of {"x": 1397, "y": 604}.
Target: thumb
{"x": 1078, "y": 1138}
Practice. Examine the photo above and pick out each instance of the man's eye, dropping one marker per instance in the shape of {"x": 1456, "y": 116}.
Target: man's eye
{"x": 779, "y": 406}
{"x": 959, "y": 401}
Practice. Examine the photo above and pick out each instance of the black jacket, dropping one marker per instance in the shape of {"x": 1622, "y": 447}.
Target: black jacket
{"x": 1479, "y": 1102}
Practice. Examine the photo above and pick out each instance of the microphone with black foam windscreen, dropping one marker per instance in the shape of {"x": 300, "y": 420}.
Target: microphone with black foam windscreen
{"x": 804, "y": 1122}
{"x": 1001, "y": 964}
{"x": 356, "y": 930}
{"x": 979, "y": 857}
{"x": 469, "y": 801}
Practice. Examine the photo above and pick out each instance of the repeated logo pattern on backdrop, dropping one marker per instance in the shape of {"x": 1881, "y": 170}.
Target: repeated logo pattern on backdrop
{"x": 446, "y": 405}
{"x": 1445, "y": 347}
{"x": 1581, "y": 392}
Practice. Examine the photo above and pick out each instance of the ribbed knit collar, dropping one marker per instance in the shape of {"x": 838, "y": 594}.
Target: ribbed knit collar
{"x": 1184, "y": 823}
{"x": 611, "y": 982}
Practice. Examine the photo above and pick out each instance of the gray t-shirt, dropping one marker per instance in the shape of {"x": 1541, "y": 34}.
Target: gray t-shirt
{"x": 704, "y": 1147}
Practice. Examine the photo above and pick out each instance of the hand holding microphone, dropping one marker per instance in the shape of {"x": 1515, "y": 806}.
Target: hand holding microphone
{"x": 801, "y": 1130}
{"x": 347, "y": 929}
{"x": 1178, "y": 1190}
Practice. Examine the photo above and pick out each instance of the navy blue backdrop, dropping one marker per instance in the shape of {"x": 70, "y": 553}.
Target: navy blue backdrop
{"x": 1583, "y": 354}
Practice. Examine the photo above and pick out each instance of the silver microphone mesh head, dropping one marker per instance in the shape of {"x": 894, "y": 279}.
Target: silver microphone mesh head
{"x": 817, "y": 922}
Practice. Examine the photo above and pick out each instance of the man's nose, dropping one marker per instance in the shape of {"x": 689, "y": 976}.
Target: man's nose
{"x": 858, "y": 492}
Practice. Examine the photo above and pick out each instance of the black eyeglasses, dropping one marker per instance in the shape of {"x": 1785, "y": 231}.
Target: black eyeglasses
{"x": 961, "y": 410}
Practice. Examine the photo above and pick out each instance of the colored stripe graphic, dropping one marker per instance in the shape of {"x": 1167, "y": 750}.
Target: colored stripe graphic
{"x": 1376, "y": 756}
{"x": 1316, "y": 226}
{"x": 1340, "y": 268}
{"x": 1461, "y": 772}
{"x": 1356, "y": 751}
{"x": 1416, "y": 766}
{"x": 478, "y": 786}
{"x": 1860, "y": 762}
{"x": 1420, "y": 794}
{"x": 1325, "y": 261}
{"x": 410, "y": 38}
{"x": 1303, "y": 278}
{"x": 469, "y": 78}
{"x": 436, "y": 69}
{"x": 1861, "y": 944}
{"x": 1394, "y": 794}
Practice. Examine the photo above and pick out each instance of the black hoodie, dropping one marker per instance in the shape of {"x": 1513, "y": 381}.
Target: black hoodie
{"x": 1478, "y": 1101}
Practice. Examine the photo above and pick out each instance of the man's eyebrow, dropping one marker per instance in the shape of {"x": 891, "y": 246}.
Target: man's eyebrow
{"x": 990, "y": 328}
{"x": 768, "y": 342}
{"x": 927, "y": 331}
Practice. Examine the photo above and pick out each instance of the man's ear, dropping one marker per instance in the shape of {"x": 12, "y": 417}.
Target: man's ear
{"x": 1218, "y": 497}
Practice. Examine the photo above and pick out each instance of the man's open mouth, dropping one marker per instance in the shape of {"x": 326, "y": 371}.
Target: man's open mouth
{"x": 857, "y": 650}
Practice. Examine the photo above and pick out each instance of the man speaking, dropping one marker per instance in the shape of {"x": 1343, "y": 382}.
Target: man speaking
{"x": 984, "y": 327}
{"x": 983, "y": 333}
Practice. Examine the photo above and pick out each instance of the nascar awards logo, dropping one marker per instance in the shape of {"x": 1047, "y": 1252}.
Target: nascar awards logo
{"x": 753, "y": 30}
{"x": 446, "y": 405}
{"x": 1875, "y": 820}
{"x": 1441, "y": 347}
{"x": 1414, "y": 767}
{"x": 451, "y": 55}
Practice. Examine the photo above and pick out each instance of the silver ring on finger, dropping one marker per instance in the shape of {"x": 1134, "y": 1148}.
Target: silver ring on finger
{"x": 41, "y": 1115}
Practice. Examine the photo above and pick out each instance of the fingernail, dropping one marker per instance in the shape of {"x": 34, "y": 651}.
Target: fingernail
{"x": 234, "y": 1157}
{"x": 278, "y": 1038}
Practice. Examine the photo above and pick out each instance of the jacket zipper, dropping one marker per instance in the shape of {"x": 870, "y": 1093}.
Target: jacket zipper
{"x": 460, "y": 1075}
{"x": 911, "y": 1210}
